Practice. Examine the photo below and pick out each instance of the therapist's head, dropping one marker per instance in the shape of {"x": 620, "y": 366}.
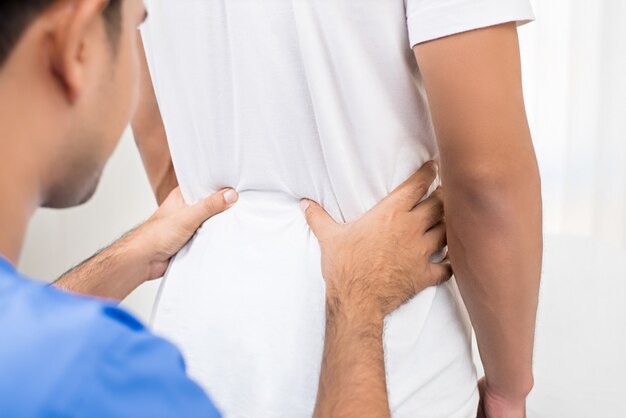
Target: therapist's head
{"x": 68, "y": 87}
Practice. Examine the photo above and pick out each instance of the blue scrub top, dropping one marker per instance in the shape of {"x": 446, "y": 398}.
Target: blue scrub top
{"x": 68, "y": 356}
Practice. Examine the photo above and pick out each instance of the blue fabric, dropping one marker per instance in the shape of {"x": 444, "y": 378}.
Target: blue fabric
{"x": 68, "y": 356}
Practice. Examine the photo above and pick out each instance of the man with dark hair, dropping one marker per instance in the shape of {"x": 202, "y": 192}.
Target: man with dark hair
{"x": 15, "y": 15}
{"x": 65, "y": 98}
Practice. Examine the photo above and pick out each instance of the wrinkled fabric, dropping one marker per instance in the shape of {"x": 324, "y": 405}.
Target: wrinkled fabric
{"x": 285, "y": 99}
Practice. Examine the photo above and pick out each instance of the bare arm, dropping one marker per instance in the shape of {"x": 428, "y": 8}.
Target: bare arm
{"x": 150, "y": 136}
{"x": 371, "y": 267}
{"x": 144, "y": 253}
{"x": 352, "y": 381}
{"x": 492, "y": 197}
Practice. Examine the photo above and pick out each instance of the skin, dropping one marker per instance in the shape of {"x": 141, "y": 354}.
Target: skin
{"x": 144, "y": 253}
{"x": 492, "y": 196}
{"x": 493, "y": 201}
{"x": 356, "y": 268}
{"x": 84, "y": 90}
{"x": 64, "y": 73}
{"x": 151, "y": 138}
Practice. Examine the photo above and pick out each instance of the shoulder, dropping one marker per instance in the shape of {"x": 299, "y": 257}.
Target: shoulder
{"x": 140, "y": 374}
{"x": 36, "y": 313}
{"x": 74, "y": 353}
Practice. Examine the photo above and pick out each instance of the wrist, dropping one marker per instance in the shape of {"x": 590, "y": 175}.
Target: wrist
{"x": 353, "y": 293}
{"x": 133, "y": 258}
{"x": 505, "y": 402}
{"x": 503, "y": 408}
{"x": 355, "y": 315}
{"x": 113, "y": 273}
{"x": 510, "y": 390}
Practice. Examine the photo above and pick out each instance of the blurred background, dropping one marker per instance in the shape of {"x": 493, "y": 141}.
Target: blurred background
{"x": 574, "y": 59}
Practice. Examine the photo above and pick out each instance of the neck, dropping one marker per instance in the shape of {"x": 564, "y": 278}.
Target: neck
{"x": 15, "y": 213}
{"x": 19, "y": 184}
{"x": 23, "y": 122}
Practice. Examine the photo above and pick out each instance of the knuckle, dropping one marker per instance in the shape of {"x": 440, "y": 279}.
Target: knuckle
{"x": 390, "y": 218}
{"x": 430, "y": 172}
{"x": 436, "y": 210}
{"x": 436, "y": 215}
{"x": 428, "y": 167}
{"x": 425, "y": 220}
{"x": 423, "y": 253}
{"x": 213, "y": 205}
{"x": 421, "y": 186}
{"x": 309, "y": 215}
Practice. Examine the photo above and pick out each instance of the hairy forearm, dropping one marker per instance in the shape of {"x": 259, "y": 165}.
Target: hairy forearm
{"x": 352, "y": 380}
{"x": 495, "y": 242}
{"x": 113, "y": 273}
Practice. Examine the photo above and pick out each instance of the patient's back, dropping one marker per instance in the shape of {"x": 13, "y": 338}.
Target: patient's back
{"x": 286, "y": 99}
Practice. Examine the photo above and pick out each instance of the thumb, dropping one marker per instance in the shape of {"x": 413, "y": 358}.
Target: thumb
{"x": 319, "y": 220}
{"x": 205, "y": 209}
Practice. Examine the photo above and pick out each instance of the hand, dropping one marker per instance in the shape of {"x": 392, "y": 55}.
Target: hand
{"x": 144, "y": 253}
{"x": 383, "y": 259}
{"x": 173, "y": 225}
{"x": 494, "y": 406}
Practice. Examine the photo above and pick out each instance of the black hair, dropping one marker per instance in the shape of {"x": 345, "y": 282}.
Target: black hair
{"x": 16, "y": 15}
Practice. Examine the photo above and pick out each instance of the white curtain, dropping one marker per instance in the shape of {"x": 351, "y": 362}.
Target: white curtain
{"x": 574, "y": 59}
{"x": 575, "y": 71}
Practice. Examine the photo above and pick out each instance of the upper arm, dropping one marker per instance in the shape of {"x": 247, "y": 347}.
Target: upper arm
{"x": 474, "y": 88}
{"x": 150, "y": 135}
{"x": 468, "y": 55}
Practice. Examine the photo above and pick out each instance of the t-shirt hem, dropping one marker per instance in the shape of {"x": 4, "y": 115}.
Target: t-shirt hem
{"x": 439, "y": 22}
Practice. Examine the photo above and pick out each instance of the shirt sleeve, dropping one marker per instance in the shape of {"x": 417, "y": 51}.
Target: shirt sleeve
{"x": 433, "y": 19}
{"x": 141, "y": 375}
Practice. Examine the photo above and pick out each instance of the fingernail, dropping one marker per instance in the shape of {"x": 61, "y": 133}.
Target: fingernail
{"x": 304, "y": 204}
{"x": 230, "y": 196}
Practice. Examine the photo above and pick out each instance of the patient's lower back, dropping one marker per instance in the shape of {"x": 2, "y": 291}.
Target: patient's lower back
{"x": 282, "y": 100}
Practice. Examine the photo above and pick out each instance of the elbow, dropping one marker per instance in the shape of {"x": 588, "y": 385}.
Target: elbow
{"x": 496, "y": 192}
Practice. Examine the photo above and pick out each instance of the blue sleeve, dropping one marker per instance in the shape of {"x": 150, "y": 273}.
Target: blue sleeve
{"x": 141, "y": 375}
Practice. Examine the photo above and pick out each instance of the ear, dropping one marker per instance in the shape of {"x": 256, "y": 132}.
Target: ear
{"x": 77, "y": 22}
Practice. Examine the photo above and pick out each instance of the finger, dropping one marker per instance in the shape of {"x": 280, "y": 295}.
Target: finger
{"x": 195, "y": 215}
{"x": 430, "y": 212}
{"x": 436, "y": 239}
{"x": 320, "y": 222}
{"x": 409, "y": 193}
{"x": 440, "y": 273}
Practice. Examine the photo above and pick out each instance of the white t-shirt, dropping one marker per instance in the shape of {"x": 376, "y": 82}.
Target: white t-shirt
{"x": 285, "y": 99}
